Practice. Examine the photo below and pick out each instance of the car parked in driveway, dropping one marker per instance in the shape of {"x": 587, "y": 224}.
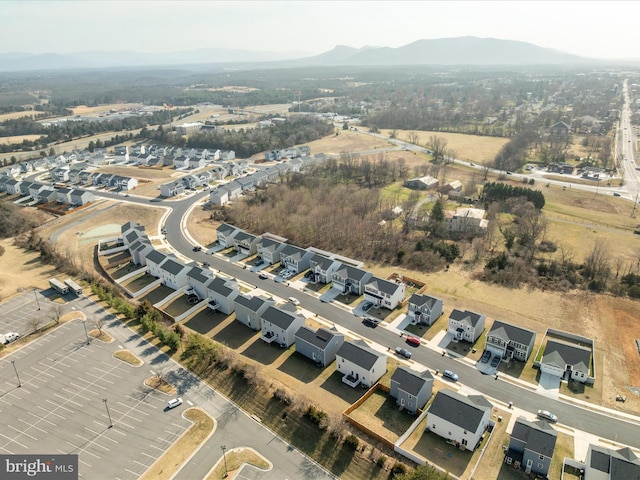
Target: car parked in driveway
{"x": 547, "y": 415}
{"x": 450, "y": 375}
{"x": 366, "y": 306}
{"x": 413, "y": 341}
{"x": 403, "y": 352}
{"x": 173, "y": 403}
{"x": 495, "y": 361}
{"x": 485, "y": 356}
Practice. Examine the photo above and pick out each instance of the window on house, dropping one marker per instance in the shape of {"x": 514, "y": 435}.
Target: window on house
{"x": 464, "y": 441}
{"x": 541, "y": 457}
{"x": 433, "y": 426}
{"x": 540, "y": 466}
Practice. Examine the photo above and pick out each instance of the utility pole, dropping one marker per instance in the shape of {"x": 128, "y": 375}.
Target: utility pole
{"x": 16, "y": 370}
{"x": 84, "y": 324}
{"x": 108, "y": 414}
{"x": 224, "y": 455}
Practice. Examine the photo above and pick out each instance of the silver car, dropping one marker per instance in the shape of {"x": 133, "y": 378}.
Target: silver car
{"x": 547, "y": 415}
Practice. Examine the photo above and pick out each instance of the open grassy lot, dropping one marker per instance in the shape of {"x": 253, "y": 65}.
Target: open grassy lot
{"x": 479, "y": 149}
{"x": 86, "y": 110}
{"x": 18, "y": 139}
{"x": 347, "y": 141}
{"x": 14, "y": 115}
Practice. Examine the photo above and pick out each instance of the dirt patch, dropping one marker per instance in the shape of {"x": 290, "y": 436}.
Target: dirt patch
{"x": 347, "y": 141}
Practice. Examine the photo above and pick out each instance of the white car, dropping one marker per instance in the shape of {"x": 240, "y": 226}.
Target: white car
{"x": 176, "y": 402}
{"x": 9, "y": 337}
{"x": 294, "y": 300}
{"x": 547, "y": 415}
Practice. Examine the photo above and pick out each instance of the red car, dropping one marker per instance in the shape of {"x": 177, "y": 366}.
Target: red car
{"x": 414, "y": 341}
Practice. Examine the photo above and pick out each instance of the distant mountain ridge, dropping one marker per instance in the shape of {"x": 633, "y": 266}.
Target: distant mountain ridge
{"x": 441, "y": 51}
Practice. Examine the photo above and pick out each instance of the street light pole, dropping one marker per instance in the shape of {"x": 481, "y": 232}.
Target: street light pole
{"x": 224, "y": 455}
{"x": 108, "y": 414}
{"x": 16, "y": 370}
{"x": 84, "y": 324}
{"x": 36, "y": 295}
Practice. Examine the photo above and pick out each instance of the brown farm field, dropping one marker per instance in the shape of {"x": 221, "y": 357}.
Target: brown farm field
{"x": 475, "y": 148}
{"x": 85, "y": 110}
{"x": 14, "y": 115}
{"x": 18, "y": 139}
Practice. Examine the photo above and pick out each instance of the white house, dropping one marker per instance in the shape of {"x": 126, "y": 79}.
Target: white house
{"x": 360, "y": 364}
{"x": 225, "y": 234}
{"x": 269, "y": 249}
{"x": 174, "y": 273}
{"x": 154, "y": 260}
{"x": 322, "y": 268}
{"x": 459, "y": 419}
{"x": 294, "y": 258}
{"x": 465, "y": 325}
{"x": 566, "y": 360}
{"x": 222, "y": 292}
{"x": 198, "y": 279}
{"x": 466, "y": 220}
{"x": 383, "y": 293}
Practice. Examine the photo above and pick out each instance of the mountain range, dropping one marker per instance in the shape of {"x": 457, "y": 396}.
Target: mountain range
{"x": 443, "y": 51}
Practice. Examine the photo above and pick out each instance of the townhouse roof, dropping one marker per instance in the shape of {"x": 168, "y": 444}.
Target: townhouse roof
{"x": 384, "y": 286}
{"x": 318, "y": 338}
{"x": 221, "y": 285}
{"x": 172, "y": 266}
{"x": 359, "y": 353}
{"x": 410, "y": 381}
{"x": 253, "y": 303}
{"x": 511, "y": 333}
{"x": 294, "y": 252}
{"x": 243, "y": 236}
{"x": 156, "y": 257}
{"x": 466, "y": 316}
{"x": 269, "y": 244}
{"x": 279, "y": 317}
{"x": 322, "y": 261}
{"x": 561, "y": 353}
{"x": 347, "y": 271}
{"x": 539, "y": 436}
{"x": 422, "y": 300}
{"x": 465, "y": 412}
{"x": 199, "y": 275}
{"x": 226, "y": 229}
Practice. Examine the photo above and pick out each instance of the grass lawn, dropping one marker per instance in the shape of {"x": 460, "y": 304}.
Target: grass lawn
{"x": 171, "y": 461}
{"x": 127, "y": 356}
{"x": 102, "y": 336}
{"x": 123, "y": 269}
{"x": 161, "y": 384}
{"x": 206, "y": 321}
{"x": 564, "y": 448}
{"x": 380, "y": 413}
{"x": 138, "y": 282}
{"x": 156, "y": 294}
{"x": 177, "y": 306}
{"x": 492, "y": 459}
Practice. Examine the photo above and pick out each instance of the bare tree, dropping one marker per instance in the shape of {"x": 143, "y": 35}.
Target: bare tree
{"x": 413, "y": 138}
{"x": 34, "y": 323}
{"x": 438, "y": 145}
{"x": 597, "y": 262}
{"x": 55, "y": 314}
{"x": 99, "y": 323}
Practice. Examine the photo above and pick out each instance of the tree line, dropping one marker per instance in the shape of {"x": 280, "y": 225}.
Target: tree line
{"x": 499, "y": 192}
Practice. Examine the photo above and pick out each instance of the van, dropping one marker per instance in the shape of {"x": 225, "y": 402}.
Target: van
{"x": 9, "y": 337}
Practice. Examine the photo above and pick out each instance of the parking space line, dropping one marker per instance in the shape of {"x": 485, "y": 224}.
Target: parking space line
{"x": 157, "y": 448}
{"x": 132, "y": 472}
{"x": 13, "y": 440}
{"x": 75, "y": 394}
{"x": 102, "y": 436}
{"x": 141, "y": 464}
{"x": 50, "y": 367}
{"x": 33, "y": 426}
{"x": 8, "y": 451}
{"x": 76, "y": 447}
{"x": 59, "y": 406}
{"x": 22, "y": 432}
{"x": 89, "y": 442}
{"x": 68, "y": 400}
{"x": 84, "y": 463}
{"x": 150, "y": 456}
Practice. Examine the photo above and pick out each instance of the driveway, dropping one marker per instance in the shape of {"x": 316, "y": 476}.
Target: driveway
{"x": 549, "y": 385}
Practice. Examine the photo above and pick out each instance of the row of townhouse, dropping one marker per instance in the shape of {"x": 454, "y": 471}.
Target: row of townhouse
{"x": 218, "y": 172}
{"x": 42, "y": 193}
{"x": 295, "y": 152}
{"x": 81, "y": 176}
{"x": 343, "y": 274}
{"x": 225, "y": 193}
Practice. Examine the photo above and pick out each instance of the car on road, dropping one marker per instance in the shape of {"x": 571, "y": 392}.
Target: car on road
{"x": 9, "y": 337}
{"x": 450, "y": 375}
{"x": 403, "y": 352}
{"x": 485, "y": 356}
{"x": 197, "y": 248}
{"x": 547, "y": 415}
{"x": 495, "y": 361}
{"x": 294, "y": 300}
{"x": 263, "y": 276}
{"x": 413, "y": 341}
{"x": 370, "y": 322}
{"x": 206, "y": 264}
{"x": 616, "y": 194}
{"x": 472, "y": 164}
{"x": 366, "y": 306}
{"x": 173, "y": 403}
{"x": 509, "y": 173}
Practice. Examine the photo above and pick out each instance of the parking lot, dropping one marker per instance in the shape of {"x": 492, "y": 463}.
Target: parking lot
{"x": 53, "y": 401}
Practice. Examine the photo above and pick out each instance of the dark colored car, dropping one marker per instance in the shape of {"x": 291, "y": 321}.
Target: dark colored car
{"x": 366, "y": 306}
{"x": 495, "y": 361}
{"x": 197, "y": 248}
{"x": 413, "y": 341}
{"x": 370, "y": 322}
{"x": 485, "y": 356}
{"x": 206, "y": 264}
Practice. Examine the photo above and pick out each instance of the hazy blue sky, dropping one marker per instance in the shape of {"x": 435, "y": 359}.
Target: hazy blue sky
{"x": 595, "y": 29}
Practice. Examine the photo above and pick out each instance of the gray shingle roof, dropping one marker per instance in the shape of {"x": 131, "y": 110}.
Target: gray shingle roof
{"x": 244, "y": 237}
{"x": 357, "y": 352}
{"x": 226, "y": 229}
{"x": 278, "y": 317}
{"x": 539, "y": 436}
{"x": 466, "y": 316}
{"x": 198, "y": 274}
{"x": 292, "y": 251}
{"x": 220, "y": 285}
{"x": 508, "y": 332}
{"x": 173, "y": 267}
{"x": 319, "y": 338}
{"x": 269, "y": 244}
{"x": 465, "y": 412}
{"x": 384, "y": 286}
{"x": 561, "y": 354}
{"x": 411, "y": 381}
{"x": 422, "y": 300}
{"x": 156, "y": 257}
{"x": 322, "y": 261}
{"x": 250, "y": 302}
{"x": 347, "y": 271}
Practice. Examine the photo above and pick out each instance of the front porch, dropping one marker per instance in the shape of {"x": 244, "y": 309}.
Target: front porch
{"x": 353, "y": 382}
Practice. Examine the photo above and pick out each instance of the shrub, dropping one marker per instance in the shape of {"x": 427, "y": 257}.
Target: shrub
{"x": 352, "y": 441}
{"x": 283, "y": 396}
{"x": 315, "y": 415}
{"x": 381, "y": 461}
{"x": 398, "y": 469}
